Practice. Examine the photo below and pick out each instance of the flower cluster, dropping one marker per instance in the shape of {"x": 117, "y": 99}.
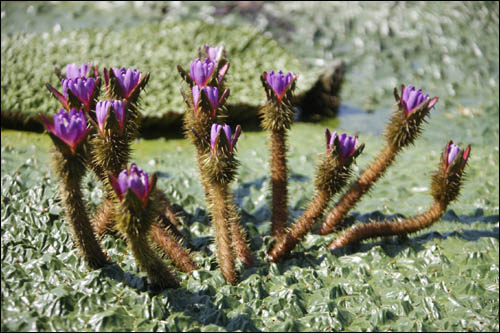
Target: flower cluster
{"x": 134, "y": 179}
{"x": 230, "y": 138}
{"x": 212, "y": 95}
{"x": 73, "y": 71}
{"x": 128, "y": 80}
{"x": 71, "y": 127}
{"x": 279, "y": 82}
{"x": 413, "y": 99}
{"x": 102, "y": 111}
{"x": 347, "y": 144}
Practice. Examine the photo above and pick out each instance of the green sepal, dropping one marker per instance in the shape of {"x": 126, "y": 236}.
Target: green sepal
{"x": 333, "y": 172}
{"x": 276, "y": 117}
{"x": 73, "y": 101}
{"x": 134, "y": 96}
{"x": 81, "y": 151}
{"x": 220, "y": 167}
{"x": 446, "y": 183}
{"x": 185, "y": 76}
{"x": 132, "y": 216}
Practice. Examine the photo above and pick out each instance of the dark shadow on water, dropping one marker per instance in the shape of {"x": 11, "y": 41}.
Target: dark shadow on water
{"x": 200, "y": 308}
{"x": 114, "y": 272}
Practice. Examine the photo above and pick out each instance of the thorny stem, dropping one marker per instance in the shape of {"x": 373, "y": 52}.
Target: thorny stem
{"x": 223, "y": 234}
{"x": 388, "y": 228}
{"x": 279, "y": 184}
{"x": 359, "y": 188}
{"x": 303, "y": 225}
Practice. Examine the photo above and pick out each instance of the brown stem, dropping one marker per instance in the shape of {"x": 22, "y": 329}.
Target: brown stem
{"x": 303, "y": 225}
{"x": 168, "y": 217}
{"x": 158, "y": 273}
{"x": 388, "y": 228}
{"x": 103, "y": 218}
{"x": 238, "y": 234}
{"x": 279, "y": 184}
{"x": 223, "y": 234}
{"x": 358, "y": 189}
{"x": 83, "y": 233}
{"x": 172, "y": 248}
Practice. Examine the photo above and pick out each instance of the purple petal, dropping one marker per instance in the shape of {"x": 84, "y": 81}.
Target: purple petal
{"x": 213, "y": 134}
{"x": 452, "y": 153}
{"x": 213, "y": 96}
{"x": 123, "y": 181}
{"x": 136, "y": 184}
{"x": 227, "y": 130}
{"x": 72, "y": 71}
{"x": 101, "y": 110}
{"x": 119, "y": 109}
{"x": 214, "y": 52}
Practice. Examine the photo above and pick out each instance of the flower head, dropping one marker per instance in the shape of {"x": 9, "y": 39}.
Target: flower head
{"x": 102, "y": 109}
{"x": 451, "y": 152}
{"x": 231, "y": 139}
{"x": 279, "y": 82}
{"x": 71, "y": 127}
{"x": 81, "y": 87}
{"x": 73, "y": 71}
{"x": 347, "y": 144}
{"x": 212, "y": 94}
{"x": 214, "y": 53}
{"x": 201, "y": 71}
{"x": 412, "y": 99}
{"x": 128, "y": 80}
{"x": 134, "y": 179}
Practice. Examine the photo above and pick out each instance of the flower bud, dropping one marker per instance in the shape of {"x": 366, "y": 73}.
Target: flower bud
{"x": 451, "y": 152}
{"x": 73, "y": 71}
{"x": 214, "y": 53}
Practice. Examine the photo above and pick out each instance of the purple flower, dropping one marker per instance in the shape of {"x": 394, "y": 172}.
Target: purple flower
{"x": 81, "y": 87}
{"x": 279, "y": 82}
{"x": 214, "y": 53}
{"x": 212, "y": 94}
{"x": 102, "y": 109}
{"x": 347, "y": 143}
{"x": 201, "y": 71}
{"x": 451, "y": 153}
{"x": 134, "y": 179}
{"x": 73, "y": 72}
{"x": 71, "y": 127}
{"x": 231, "y": 139}
{"x": 412, "y": 99}
{"x": 128, "y": 80}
